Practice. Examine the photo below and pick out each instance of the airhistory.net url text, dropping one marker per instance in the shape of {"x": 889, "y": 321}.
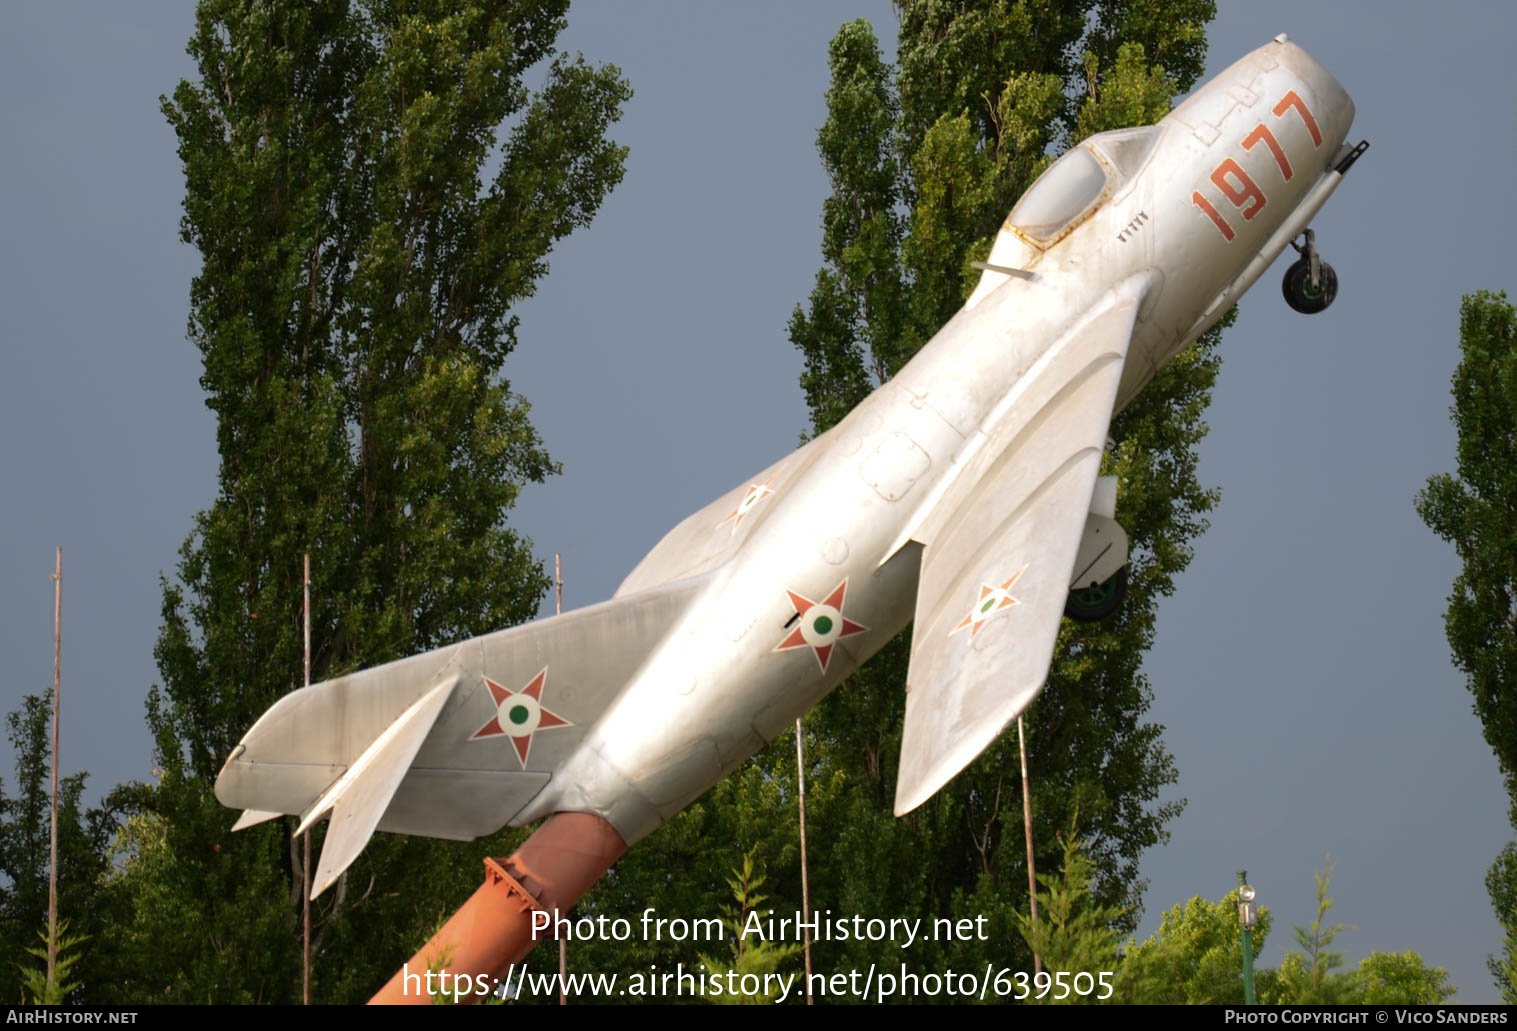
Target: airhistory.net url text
{"x": 873, "y": 984}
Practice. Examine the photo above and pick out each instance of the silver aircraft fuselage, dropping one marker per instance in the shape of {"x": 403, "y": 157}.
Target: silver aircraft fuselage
{"x": 965, "y": 486}
{"x": 715, "y": 691}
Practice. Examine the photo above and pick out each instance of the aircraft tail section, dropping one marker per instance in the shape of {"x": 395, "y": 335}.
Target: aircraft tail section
{"x": 452, "y": 743}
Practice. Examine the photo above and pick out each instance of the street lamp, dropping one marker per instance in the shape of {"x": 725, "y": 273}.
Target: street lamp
{"x": 1248, "y": 917}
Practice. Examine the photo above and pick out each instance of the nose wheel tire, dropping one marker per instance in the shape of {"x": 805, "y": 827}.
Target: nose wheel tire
{"x": 1097, "y": 601}
{"x": 1301, "y": 294}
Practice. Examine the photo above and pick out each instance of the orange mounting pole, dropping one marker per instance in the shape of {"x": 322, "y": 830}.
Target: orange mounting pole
{"x": 493, "y": 930}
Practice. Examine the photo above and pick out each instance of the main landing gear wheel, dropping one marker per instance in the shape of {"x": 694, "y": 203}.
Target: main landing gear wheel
{"x": 1097, "y": 601}
{"x": 1310, "y": 284}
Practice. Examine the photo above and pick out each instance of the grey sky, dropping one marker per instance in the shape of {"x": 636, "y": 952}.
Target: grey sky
{"x": 1301, "y": 667}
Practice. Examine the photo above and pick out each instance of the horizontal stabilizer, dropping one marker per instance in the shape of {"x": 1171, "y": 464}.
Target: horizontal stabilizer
{"x": 360, "y": 796}
{"x": 252, "y": 818}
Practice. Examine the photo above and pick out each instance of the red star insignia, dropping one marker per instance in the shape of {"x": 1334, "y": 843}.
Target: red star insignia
{"x": 990, "y": 601}
{"x": 756, "y": 492}
{"x": 822, "y": 624}
{"x": 519, "y": 715}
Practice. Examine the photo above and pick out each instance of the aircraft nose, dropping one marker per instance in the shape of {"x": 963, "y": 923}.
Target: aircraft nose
{"x": 1333, "y": 107}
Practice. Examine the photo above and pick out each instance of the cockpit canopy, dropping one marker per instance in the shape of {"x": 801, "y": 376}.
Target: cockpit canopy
{"x": 1076, "y": 183}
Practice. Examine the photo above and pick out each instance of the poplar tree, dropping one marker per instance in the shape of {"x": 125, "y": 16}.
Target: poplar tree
{"x": 372, "y": 185}
{"x": 1472, "y": 509}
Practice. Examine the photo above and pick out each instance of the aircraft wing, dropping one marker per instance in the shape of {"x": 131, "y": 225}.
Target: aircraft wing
{"x": 707, "y": 538}
{"x": 448, "y": 744}
{"x": 1000, "y": 546}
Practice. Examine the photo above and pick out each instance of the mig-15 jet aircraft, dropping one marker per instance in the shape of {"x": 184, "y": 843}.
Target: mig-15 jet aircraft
{"x": 963, "y": 496}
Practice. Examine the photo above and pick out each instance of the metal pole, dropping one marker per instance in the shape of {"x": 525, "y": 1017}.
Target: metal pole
{"x": 1248, "y": 951}
{"x": 563, "y": 943}
{"x": 1032, "y": 878}
{"x": 305, "y": 863}
{"x": 800, "y": 776}
{"x": 52, "y": 861}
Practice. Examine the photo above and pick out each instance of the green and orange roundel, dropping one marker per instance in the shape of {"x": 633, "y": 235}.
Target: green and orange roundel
{"x": 992, "y": 599}
{"x": 519, "y": 715}
{"x": 822, "y": 624}
{"x": 756, "y": 492}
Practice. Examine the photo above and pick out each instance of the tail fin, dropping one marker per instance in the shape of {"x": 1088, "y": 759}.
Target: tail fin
{"x": 451, "y": 743}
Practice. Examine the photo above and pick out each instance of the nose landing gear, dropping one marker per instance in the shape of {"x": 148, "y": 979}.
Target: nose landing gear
{"x": 1310, "y": 283}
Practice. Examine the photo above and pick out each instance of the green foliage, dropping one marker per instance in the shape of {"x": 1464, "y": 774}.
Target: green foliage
{"x": 37, "y": 989}
{"x": 1194, "y": 958}
{"x": 1400, "y": 978}
{"x": 1311, "y": 976}
{"x": 372, "y": 187}
{"x": 1315, "y": 940}
{"x": 24, "y": 855}
{"x": 1472, "y": 509}
{"x": 757, "y": 958}
{"x": 1072, "y": 932}
{"x": 1501, "y": 883}
{"x": 1196, "y": 955}
{"x": 1504, "y": 967}
{"x": 1381, "y": 979}
{"x": 217, "y": 905}
{"x": 1314, "y": 975}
